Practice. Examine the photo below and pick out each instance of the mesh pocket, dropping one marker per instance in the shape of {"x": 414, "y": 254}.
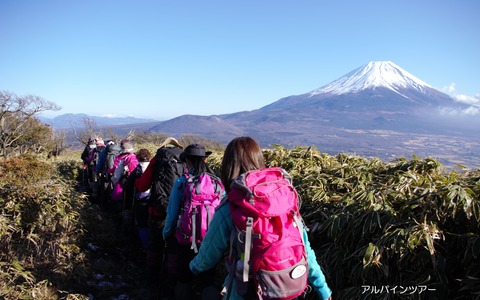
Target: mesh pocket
{"x": 286, "y": 283}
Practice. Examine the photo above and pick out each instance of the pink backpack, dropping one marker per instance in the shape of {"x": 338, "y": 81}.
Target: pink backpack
{"x": 202, "y": 194}
{"x": 269, "y": 235}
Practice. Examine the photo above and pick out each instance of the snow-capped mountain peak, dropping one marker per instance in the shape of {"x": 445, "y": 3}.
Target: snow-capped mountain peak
{"x": 375, "y": 74}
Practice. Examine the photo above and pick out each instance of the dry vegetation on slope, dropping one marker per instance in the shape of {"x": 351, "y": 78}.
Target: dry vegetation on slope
{"x": 406, "y": 223}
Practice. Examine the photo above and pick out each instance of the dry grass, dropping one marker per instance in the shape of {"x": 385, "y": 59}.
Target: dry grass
{"x": 372, "y": 223}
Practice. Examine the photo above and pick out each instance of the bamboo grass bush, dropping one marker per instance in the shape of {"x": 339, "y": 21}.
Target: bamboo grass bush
{"x": 405, "y": 223}
{"x": 40, "y": 231}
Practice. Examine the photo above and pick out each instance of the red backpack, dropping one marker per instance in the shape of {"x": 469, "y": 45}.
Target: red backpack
{"x": 269, "y": 235}
{"x": 202, "y": 194}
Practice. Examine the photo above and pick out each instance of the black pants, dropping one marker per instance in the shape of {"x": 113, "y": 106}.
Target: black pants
{"x": 141, "y": 214}
{"x": 183, "y": 256}
{"x": 155, "y": 252}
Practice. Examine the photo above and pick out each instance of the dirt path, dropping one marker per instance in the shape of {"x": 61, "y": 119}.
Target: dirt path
{"x": 117, "y": 273}
{"x": 116, "y": 262}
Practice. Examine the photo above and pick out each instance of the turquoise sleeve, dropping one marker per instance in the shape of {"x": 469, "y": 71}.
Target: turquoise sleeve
{"x": 216, "y": 241}
{"x": 173, "y": 208}
{"x": 315, "y": 275}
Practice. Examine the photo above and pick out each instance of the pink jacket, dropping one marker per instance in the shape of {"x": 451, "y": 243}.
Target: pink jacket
{"x": 124, "y": 163}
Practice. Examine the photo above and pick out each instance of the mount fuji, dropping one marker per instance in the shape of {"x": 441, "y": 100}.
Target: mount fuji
{"x": 376, "y": 110}
{"x": 374, "y": 74}
{"x": 378, "y": 86}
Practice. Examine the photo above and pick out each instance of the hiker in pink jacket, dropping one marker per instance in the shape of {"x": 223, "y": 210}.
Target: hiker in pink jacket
{"x": 124, "y": 164}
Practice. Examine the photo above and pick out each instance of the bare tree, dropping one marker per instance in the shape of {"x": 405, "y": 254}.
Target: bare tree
{"x": 112, "y": 134}
{"x": 130, "y": 135}
{"x": 58, "y": 143}
{"x": 90, "y": 130}
{"x": 36, "y": 138}
{"x": 16, "y": 114}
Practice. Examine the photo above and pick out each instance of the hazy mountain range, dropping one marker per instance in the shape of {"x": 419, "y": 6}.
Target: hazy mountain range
{"x": 76, "y": 120}
{"x": 376, "y": 110}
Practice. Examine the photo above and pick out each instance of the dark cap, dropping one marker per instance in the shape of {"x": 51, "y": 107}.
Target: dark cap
{"x": 194, "y": 150}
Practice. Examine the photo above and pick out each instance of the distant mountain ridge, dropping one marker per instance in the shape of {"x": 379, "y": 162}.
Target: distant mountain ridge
{"x": 376, "y": 110}
{"x": 76, "y": 120}
{"x": 379, "y": 95}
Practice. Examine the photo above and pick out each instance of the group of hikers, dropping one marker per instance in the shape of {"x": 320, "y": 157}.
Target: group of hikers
{"x": 190, "y": 221}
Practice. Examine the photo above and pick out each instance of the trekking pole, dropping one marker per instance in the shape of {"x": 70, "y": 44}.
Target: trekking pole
{"x": 132, "y": 213}
{"x": 123, "y": 212}
{"x": 163, "y": 268}
{"x": 84, "y": 183}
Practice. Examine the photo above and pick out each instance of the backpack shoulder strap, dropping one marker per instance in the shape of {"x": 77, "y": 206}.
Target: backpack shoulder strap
{"x": 300, "y": 226}
{"x": 248, "y": 247}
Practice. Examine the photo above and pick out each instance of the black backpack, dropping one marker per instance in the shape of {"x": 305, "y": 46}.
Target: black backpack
{"x": 168, "y": 168}
{"x": 112, "y": 152}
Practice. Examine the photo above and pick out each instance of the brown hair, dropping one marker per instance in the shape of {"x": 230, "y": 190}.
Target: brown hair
{"x": 143, "y": 155}
{"x": 198, "y": 163}
{"x": 241, "y": 155}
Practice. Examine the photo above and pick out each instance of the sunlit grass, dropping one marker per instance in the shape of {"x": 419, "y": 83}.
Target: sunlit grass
{"x": 371, "y": 222}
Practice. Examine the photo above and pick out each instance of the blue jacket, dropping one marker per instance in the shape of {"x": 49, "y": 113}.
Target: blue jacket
{"x": 217, "y": 242}
{"x": 173, "y": 208}
{"x": 101, "y": 161}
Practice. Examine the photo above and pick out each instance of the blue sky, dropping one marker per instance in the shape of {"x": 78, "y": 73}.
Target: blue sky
{"x": 161, "y": 59}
